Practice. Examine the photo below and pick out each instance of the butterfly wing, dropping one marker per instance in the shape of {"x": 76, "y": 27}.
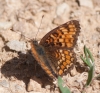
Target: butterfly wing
{"x": 64, "y": 36}
{"x": 58, "y": 45}
{"x": 61, "y": 60}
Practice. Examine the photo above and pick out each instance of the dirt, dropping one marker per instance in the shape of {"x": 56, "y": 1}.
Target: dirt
{"x": 20, "y": 21}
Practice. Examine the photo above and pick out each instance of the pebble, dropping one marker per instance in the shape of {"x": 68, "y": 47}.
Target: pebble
{"x": 4, "y": 83}
{"x": 86, "y": 3}
{"x": 13, "y": 5}
{"x": 17, "y": 45}
{"x": 62, "y": 8}
{"x": 19, "y": 88}
{"x": 34, "y": 86}
{"x": 26, "y": 29}
{"x": 5, "y": 25}
{"x": 9, "y": 35}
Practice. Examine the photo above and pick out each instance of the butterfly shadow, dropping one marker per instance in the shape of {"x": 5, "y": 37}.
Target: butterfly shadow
{"x": 24, "y": 67}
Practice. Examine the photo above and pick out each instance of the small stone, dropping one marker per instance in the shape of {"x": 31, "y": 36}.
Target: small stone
{"x": 87, "y": 3}
{"x": 58, "y": 20}
{"x": 47, "y": 87}
{"x": 34, "y": 86}
{"x": 13, "y": 5}
{"x": 4, "y": 83}
{"x": 5, "y": 25}
{"x": 73, "y": 71}
{"x": 9, "y": 35}
{"x": 18, "y": 88}
{"x": 17, "y": 45}
{"x": 62, "y": 8}
{"x": 28, "y": 30}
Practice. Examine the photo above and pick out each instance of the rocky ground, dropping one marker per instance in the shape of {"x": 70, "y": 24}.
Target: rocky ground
{"x": 19, "y": 72}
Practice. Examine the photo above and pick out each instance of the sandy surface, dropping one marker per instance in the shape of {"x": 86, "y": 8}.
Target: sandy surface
{"x": 19, "y": 72}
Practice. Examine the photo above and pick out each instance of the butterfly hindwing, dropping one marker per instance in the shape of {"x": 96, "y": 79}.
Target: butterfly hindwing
{"x": 61, "y": 60}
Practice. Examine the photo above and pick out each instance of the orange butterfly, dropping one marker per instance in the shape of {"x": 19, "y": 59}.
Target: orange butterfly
{"x": 55, "y": 52}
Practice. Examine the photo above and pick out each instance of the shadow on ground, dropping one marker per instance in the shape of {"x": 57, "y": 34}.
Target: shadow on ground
{"x": 24, "y": 68}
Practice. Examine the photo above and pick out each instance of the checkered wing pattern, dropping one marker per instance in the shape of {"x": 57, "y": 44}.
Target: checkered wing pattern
{"x": 61, "y": 60}
{"x": 59, "y": 44}
{"x": 64, "y": 36}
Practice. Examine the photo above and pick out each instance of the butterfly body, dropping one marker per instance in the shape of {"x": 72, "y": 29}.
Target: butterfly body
{"x": 40, "y": 55}
{"x": 55, "y": 52}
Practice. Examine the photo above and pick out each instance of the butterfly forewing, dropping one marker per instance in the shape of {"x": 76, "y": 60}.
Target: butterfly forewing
{"x": 64, "y": 36}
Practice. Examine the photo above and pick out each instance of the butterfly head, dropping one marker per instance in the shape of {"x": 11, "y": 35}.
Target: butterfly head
{"x": 36, "y": 48}
{"x": 35, "y": 42}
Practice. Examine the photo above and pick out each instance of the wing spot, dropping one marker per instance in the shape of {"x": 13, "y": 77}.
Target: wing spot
{"x": 66, "y": 52}
{"x": 63, "y": 44}
{"x": 68, "y": 62}
{"x": 69, "y": 45}
{"x": 62, "y": 28}
{"x": 62, "y": 55}
{"x": 72, "y": 33}
{"x": 71, "y": 26}
{"x": 68, "y": 57}
{"x": 60, "y": 72}
{"x": 62, "y": 67}
{"x": 65, "y": 30}
{"x": 63, "y": 58}
{"x": 64, "y": 63}
{"x": 63, "y": 36}
{"x": 68, "y": 36}
{"x": 67, "y": 40}
{"x": 61, "y": 40}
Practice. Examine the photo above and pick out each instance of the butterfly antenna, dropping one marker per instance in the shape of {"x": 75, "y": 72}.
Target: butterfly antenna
{"x": 39, "y": 27}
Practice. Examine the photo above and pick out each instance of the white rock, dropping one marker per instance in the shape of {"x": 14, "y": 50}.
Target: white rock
{"x": 34, "y": 86}
{"x": 17, "y": 45}
{"x": 9, "y": 35}
{"x": 13, "y": 4}
{"x": 87, "y": 3}
{"x": 62, "y": 8}
{"x": 4, "y": 83}
{"x": 19, "y": 88}
{"x": 26, "y": 29}
{"x": 5, "y": 25}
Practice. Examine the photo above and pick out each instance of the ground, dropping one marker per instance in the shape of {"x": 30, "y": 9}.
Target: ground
{"x": 20, "y": 21}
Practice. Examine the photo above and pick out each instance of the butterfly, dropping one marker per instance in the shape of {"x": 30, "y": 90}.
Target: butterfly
{"x": 54, "y": 53}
